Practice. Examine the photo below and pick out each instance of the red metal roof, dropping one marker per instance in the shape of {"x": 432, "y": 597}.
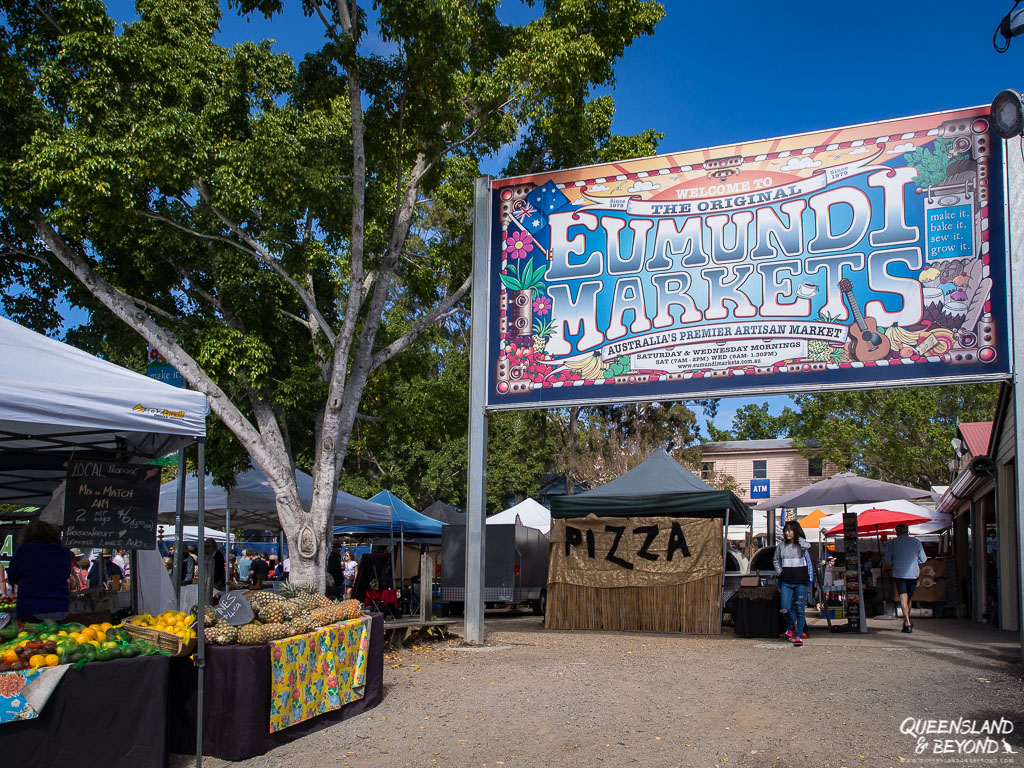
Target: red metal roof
{"x": 976, "y": 435}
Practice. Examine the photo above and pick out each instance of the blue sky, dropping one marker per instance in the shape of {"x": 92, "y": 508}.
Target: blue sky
{"x": 716, "y": 73}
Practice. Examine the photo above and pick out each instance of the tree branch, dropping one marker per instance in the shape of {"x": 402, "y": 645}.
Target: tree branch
{"x": 194, "y": 233}
{"x": 53, "y": 23}
{"x": 121, "y": 305}
{"x": 267, "y": 258}
{"x": 439, "y": 312}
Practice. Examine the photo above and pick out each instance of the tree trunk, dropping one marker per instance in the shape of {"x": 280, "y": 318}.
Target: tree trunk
{"x": 305, "y": 531}
{"x": 570, "y": 482}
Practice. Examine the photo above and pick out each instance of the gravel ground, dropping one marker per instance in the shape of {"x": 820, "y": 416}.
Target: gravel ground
{"x": 533, "y": 697}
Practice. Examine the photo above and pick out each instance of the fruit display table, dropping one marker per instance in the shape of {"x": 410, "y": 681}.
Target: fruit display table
{"x": 110, "y": 714}
{"x": 237, "y": 700}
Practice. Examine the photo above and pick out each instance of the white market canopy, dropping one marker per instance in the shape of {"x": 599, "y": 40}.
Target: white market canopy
{"x": 531, "y": 513}
{"x": 57, "y": 401}
{"x": 253, "y": 503}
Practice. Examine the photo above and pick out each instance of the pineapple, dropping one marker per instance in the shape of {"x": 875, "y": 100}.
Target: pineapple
{"x": 351, "y": 608}
{"x": 222, "y": 634}
{"x": 305, "y": 595}
{"x": 276, "y": 631}
{"x": 250, "y": 634}
{"x": 226, "y": 634}
{"x": 261, "y": 598}
{"x": 273, "y": 613}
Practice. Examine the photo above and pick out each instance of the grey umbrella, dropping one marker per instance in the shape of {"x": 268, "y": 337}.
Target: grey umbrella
{"x": 844, "y": 488}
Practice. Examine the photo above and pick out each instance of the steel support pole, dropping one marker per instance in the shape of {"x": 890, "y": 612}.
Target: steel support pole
{"x": 179, "y": 528}
{"x": 1013, "y": 188}
{"x": 227, "y": 549}
{"x": 725, "y": 569}
{"x": 476, "y": 481}
{"x": 200, "y": 654}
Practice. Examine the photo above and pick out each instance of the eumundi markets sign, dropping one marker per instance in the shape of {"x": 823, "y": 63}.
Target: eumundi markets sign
{"x": 854, "y": 257}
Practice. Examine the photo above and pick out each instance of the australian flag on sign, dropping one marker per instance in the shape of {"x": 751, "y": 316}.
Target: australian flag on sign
{"x": 532, "y": 214}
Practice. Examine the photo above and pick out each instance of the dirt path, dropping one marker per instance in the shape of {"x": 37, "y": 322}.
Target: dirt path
{"x": 540, "y": 698}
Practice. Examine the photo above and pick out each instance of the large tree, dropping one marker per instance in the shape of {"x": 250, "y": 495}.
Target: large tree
{"x": 898, "y": 435}
{"x": 261, "y": 222}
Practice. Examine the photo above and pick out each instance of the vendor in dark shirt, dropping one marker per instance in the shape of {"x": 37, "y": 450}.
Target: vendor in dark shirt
{"x": 40, "y": 569}
{"x": 259, "y": 571}
{"x": 112, "y": 573}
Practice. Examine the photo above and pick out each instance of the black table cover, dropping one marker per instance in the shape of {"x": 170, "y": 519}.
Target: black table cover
{"x": 758, "y": 617}
{"x": 106, "y": 714}
{"x": 236, "y": 704}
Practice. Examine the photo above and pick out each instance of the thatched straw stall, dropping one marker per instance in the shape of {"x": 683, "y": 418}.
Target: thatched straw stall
{"x": 644, "y": 552}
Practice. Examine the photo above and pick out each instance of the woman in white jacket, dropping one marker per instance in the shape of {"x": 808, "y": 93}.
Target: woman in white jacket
{"x": 794, "y": 572}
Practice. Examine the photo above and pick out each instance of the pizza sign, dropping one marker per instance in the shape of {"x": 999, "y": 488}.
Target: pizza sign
{"x": 848, "y": 258}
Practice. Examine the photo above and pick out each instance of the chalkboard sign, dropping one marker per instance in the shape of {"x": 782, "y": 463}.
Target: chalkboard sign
{"x": 5, "y": 619}
{"x": 234, "y": 609}
{"x": 111, "y": 505}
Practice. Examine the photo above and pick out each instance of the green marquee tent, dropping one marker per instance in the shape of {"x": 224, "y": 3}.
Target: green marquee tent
{"x": 658, "y": 486}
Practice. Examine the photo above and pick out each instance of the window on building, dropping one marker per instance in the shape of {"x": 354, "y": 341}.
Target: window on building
{"x": 707, "y": 471}
{"x": 760, "y": 469}
{"x": 814, "y": 468}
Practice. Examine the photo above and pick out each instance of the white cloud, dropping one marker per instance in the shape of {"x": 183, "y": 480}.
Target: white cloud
{"x": 900, "y": 149}
{"x": 861, "y": 150}
{"x": 799, "y": 163}
{"x": 643, "y": 186}
{"x": 581, "y": 201}
{"x": 598, "y": 188}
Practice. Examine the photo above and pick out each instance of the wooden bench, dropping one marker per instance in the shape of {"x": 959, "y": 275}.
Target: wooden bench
{"x": 397, "y": 631}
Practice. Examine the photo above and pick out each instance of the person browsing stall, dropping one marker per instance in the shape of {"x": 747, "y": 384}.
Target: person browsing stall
{"x": 794, "y": 571}
{"x": 351, "y": 567}
{"x": 905, "y": 556}
{"x": 259, "y": 571}
{"x": 111, "y": 572}
{"x": 244, "y": 564}
{"x": 40, "y": 569}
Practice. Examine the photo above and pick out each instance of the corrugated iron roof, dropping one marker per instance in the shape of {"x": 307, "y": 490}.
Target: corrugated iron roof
{"x": 977, "y": 434}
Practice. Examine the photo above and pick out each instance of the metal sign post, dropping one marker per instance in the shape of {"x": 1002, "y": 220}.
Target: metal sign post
{"x": 1013, "y": 185}
{"x": 476, "y": 485}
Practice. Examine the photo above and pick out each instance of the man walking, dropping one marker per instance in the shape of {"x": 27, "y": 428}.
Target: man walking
{"x": 905, "y": 556}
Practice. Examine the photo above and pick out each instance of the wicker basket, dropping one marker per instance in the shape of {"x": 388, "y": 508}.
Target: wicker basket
{"x": 164, "y": 641}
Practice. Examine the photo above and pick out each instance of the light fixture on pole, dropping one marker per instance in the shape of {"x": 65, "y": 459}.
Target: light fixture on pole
{"x": 1011, "y": 25}
{"x": 1007, "y": 113}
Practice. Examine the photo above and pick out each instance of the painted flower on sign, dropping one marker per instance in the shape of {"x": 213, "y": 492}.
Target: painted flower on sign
{"x": 541, "y": 305}
{"x": 518, "y": 245}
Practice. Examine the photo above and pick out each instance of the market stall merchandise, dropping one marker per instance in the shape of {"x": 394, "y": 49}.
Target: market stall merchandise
{"x": 112, "y": 715}
{"x": 238, "y": 698}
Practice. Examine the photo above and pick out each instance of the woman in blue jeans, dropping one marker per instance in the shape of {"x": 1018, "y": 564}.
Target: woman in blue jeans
{"x": 794, "y": 572}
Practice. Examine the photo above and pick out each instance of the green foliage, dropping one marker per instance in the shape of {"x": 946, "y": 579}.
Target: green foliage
{"x": 930, "y": 163}
{"x": 897, "y": 435}
{"x": 248, "y": 203}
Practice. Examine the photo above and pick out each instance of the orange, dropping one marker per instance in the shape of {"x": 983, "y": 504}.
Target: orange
{"x": 106, "y": 625}
{"x": 10, "y": 657}
{"x": 39, "y": 660}
{"x": 88, "y": 633}
{"x": 52, "y": 660}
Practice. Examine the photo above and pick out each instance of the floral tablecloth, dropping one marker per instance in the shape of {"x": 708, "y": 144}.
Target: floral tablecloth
{"x": 318, "y": 672}
{"x": 23, "y": 694}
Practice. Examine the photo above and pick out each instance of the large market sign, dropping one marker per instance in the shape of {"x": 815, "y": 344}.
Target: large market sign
{"x": 864, "y": 256}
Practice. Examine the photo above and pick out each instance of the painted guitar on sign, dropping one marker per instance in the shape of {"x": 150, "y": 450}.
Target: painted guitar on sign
{"x": 866, "y": 343}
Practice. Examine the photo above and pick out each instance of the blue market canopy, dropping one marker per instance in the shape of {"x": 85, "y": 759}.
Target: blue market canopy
{"x": 404, "y": 521}
{"x": 658, "y": 486}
